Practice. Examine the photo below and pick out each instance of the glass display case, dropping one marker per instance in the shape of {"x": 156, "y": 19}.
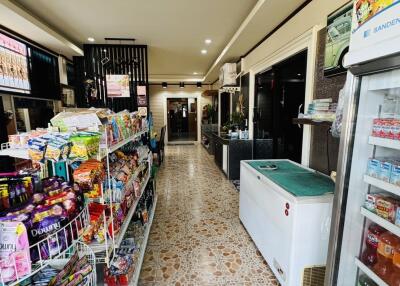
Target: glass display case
{"x": 365, "y": 230}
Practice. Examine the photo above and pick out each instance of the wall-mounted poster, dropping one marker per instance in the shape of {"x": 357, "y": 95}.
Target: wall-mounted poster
{"x": 366, "y": 9}
{"x": 338, "y": 33}
{"x": 375, "y": 30}
{"x": 117, "y": 85}
{"x": 141, "y": 95}
{"x": 13, "y": 65}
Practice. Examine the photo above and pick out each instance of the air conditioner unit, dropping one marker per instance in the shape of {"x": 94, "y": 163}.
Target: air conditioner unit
{"x": 227, "y": 74}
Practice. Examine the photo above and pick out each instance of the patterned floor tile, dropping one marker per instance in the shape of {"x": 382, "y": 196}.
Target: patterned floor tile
{"x": 197, "y": 238}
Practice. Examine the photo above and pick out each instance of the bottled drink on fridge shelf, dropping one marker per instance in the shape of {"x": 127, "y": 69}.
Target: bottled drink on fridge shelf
{"x": 387, "y": 243}
{"x": 395, "y": 277}
{"x": 364, "y": 280}
{"x": 369, "y": 256}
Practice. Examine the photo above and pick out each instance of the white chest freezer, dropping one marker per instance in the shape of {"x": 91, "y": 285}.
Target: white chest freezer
{"x": 287, "y": 213}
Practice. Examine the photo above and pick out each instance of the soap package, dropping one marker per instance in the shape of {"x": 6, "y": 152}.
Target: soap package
{"x": 14, "y": 251}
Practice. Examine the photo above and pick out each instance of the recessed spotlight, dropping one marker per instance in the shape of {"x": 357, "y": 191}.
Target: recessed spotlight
{"x": 208, "y": 41}
{"x": 204, "y": 52}
{"x": 195, "y": 73}
{"x": 90, "y": 39}
{"x": 164, "y": 84}
{"x": 105, "y": 50}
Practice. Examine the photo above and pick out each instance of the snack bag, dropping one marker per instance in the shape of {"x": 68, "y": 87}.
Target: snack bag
{"x": 37, "y": 148}
{"x": 79, "y": 148}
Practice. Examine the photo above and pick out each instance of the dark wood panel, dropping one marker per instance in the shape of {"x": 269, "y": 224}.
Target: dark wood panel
{"x": 324, "y": 147}
{"x": 311, "y": 122}
{"x": 101, "y": 60}
{"x": 245, "y": 85}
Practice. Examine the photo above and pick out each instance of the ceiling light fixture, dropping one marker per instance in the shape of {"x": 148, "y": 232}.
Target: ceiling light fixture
{"x": 90, "y": 39}
{"x": 181, "y": 84}
{"x": 204, "y": 52}
{"x": 208, "y": 41}
{"x": 164, "y": 84}
{"x": 198, "y": 84}
{"x": 195, "y": 73}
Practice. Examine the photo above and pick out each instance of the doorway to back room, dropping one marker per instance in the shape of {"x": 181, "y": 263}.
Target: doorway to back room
{"x": 182, "y": 119}
{"x": 280, "y": 94}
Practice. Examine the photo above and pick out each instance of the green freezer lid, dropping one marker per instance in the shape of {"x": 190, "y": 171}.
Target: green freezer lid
{"x": 294, "y": 179}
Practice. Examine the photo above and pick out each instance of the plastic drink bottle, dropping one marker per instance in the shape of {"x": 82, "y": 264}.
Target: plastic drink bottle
{"x": 395, "y": 277}
{"x": 369, "y": 256}
{"x": 384, "y": 267}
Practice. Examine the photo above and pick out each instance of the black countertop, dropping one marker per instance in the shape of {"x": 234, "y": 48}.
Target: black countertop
{"x": 226, "y": 140}
{"x": 238, "y": 149}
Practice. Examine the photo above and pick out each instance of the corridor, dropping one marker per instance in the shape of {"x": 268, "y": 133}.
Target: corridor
{"x": 197, "y": 237}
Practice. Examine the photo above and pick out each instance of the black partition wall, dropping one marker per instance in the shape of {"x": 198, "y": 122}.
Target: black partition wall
{"x": 279, "y": 94}
{"x": 105, "y": 59}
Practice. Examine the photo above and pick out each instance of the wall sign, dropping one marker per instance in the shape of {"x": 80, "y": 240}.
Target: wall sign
{"x": 141, "y": 95}
{"x": 13, "y": 65}
{"x": 338, "y": 33}
{"x": 117, "y": 85}
{"x": 375, "y": 30}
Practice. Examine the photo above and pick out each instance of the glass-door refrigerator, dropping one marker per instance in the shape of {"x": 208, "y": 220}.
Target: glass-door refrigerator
{"x": 365, "y": 230}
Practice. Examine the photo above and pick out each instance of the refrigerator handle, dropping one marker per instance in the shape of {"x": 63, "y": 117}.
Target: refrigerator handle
{"x": 341, "y": 188}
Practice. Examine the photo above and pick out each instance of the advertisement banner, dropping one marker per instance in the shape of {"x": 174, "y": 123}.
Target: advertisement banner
{"x": 375, "y": 30}
{"x": 13, "y": 65}
{"x": 338, "y": 31}
{"x": 117, "y": 85}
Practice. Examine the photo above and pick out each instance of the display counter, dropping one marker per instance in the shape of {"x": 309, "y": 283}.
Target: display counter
{"x": 207, "y": 138}
{"x": 287, "y": 213}
{"x": 229, "y": 152}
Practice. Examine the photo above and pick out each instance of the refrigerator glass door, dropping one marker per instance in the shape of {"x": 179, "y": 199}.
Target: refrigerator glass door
{"x": 377, "y": 112}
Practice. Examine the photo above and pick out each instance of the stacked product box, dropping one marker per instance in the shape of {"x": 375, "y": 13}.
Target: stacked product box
{"x": 385, "y": 206}
{"x": 385, "y": 169}
{"x": 322, "y": 109}
{"x": 386, "y": 128}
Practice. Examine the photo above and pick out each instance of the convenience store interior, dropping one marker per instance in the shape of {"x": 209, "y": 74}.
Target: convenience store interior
{"x": 189, "y": 142}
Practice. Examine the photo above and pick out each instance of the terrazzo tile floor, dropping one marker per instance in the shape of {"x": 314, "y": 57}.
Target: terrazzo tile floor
{"x": 196, "y": 237}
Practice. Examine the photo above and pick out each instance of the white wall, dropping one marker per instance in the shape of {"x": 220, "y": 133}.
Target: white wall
{"x": 158, "y": 96}
{"x": 298, "y": 34}
{"x": 315, "y": 13}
